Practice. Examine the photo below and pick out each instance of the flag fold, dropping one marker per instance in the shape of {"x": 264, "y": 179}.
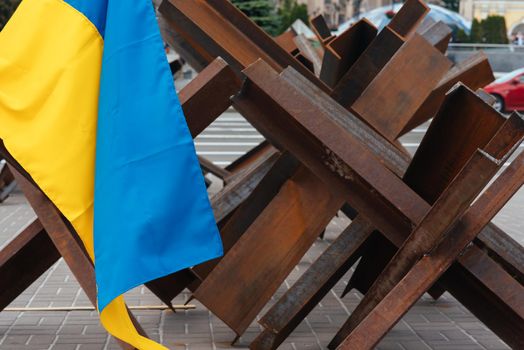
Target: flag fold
{"x": 88, "y": 108}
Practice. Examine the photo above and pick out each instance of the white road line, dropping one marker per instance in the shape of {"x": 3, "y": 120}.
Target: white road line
{"x": 221, "y": 153}
{"x": 213, "y": 128}
{"x": 224, "y": 136}
{"x": 232, "y": 119}
{"x": 226, "y": 143}
{"x": 226, "y": 123}
{"x": 248, "y": 127}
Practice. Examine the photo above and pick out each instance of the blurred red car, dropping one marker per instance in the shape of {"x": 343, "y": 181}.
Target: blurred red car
{"x": 509, "y": 91}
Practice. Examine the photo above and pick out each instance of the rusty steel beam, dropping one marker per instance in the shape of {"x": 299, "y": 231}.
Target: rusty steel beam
{"x": 488, "y": 281}
{"x": 281, "y": 170}
{"x": 408, "y": 18}
{"x": 325, "y": 272}
{"x": 445, "y": 212}
{"x": 377, "y": 253}
{"x": 445, "y": 146}
{"x": 305, "y": 62}
{"x": 402, "y": 20}
{"x": 268, "y": 84}
{"x": 320, "y": 28}
{"x": 426, "y": 23}
{"x": 337, "y": 156}
{"x": 231, "y": 319}
{"x": 369, "y": 64}
{"x": 217, "y": 28}
{"x": 343, "y": 51}
{"x": 197, "y": 61}
{"x": 428, "y": 269}
{"x": 7, "y": 182}
{"x": 446, "y": 143}
{"x": 393, "y": 158}
{"x": 306, "y": 48}
{"x": 474, "y": 72}
{"x": 287, "y": 42}
{"x": 207, "y": 96}
{"x": 420, "y": 242}
{"x": 209, "y": 167}
{"x": 23, "y": 260}
{"x": 438, "y": 35}
{"x": 503, "y": 249}
{"x": 62, "y": 235}
{"x": 261, "y": 259}
{"x": 204, "y": 99}
{"x": 379, "y": 52}
{"x": 445, "y": 150}
{"x": 219, "y": 44}
{"x": 327, "y": 107}
{"x": 245, "y": 161}
{"x": 60, "y": 232}
{"x": 168, "y": 287}
{"x": 393, "y": 88}
{"x": 297, "y": 302}
{"x": 229, "y": 198}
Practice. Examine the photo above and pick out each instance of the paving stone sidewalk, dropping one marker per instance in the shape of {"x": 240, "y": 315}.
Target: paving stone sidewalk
{"x": 442, "y": 324}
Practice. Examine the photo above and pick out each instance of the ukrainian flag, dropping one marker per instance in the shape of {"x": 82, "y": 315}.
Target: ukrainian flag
{"x": 83, "y": 75}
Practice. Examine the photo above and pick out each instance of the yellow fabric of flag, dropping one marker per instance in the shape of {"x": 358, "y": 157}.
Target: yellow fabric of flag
{"x": 50, "y": 63}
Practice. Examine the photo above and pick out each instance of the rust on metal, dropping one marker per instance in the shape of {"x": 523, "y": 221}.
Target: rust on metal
{"x": 426, "y": 271}
{"x": 342, "y": 52}
{"x": 394, "y": 90}
{"x": 438, "y": 35}
{"x": 474, "y": 72}
{"x": 264, "y": 255}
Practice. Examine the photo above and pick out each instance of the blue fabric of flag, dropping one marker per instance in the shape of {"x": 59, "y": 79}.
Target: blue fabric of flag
{"x": 152, "y": 215}
{"x": 94, "y": 10}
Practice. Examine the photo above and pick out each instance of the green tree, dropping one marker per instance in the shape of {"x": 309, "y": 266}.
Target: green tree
{"x": 262, "y": 12}
{"x": 7, "y": 7}
{"x": 491, "y": 30}
{"x": 494, "y": 30}
{"x": 476, "y": 35}
{"x": 462, "y": 37}
{"x": 289, "y": 12}
{"x": 452, "y": 5}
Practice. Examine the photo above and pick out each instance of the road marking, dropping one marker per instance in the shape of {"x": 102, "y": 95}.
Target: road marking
{"x": 225, "y": 136}
{"x": 214, "y": 128}
{"x": 203, "y": 144}
{"x": 221, "y": 153}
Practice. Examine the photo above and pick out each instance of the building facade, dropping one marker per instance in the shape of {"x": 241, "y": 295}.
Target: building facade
{"x": 338, "y": 11}
{"x": 334, "y": 11}
{"x": 512, "y": 10}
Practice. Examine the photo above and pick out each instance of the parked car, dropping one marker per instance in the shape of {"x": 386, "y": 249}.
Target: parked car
{"x": 509, "y": 91}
